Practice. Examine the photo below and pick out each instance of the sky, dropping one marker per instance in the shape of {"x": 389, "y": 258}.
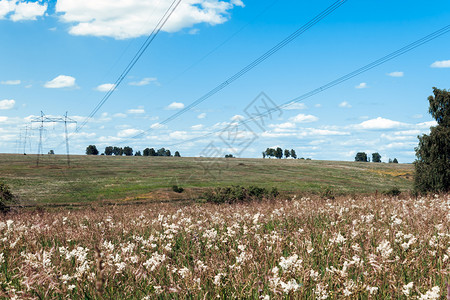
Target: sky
{"x": 63, "y": 56}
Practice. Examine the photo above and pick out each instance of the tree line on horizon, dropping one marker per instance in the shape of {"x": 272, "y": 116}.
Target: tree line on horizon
{"x": 128, "y": 151}
{"x": 376, "y": 157}
{"x": 278, "y": 153}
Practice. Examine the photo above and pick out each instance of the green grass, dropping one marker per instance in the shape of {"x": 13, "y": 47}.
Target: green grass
{"x": 102, "y": 178}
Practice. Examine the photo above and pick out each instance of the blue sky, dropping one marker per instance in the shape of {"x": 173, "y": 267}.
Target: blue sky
{"x": 58, "y": 56}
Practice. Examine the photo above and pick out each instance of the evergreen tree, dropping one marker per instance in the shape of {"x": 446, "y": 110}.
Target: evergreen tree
{"x": 287, "y": 153}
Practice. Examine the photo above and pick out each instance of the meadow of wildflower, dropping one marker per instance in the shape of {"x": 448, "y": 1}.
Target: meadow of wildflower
{"x": 296, "y": 248}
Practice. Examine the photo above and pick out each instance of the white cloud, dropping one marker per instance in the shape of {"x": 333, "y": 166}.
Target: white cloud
{"x": 197, "y": 127}
{"x": 301, "y": 118}
{"x": 61, "y": 81}
{"x": 3, "y": 119}
{"x": 345, "y": 104}
{"x": 295, "y": 105}
{"x": 362, "y": 85}
{"x": 318, "y": 105}
{"x": 139, "y": 110}
{"x": 201, "y": 116}
{"x": 321, "y": 132}
{"x": 441, "y": 64}
{"x": 106, "y": 87}
{"x": 237, "y": 118}
{"x": 395, "y": 74}
{"x": 7, "y": 104}
{"x": 427, "y": 125}
{"x": 157, "y": 126}
{"x": 21, "y": 10}
{"x": 123, "y": 19}
{"x": 175, "y": 106}
{"x": 144, "y": 81}
{"x": 28, "y": 11}
{"x": 120, "y": 115}
{"x": 128, "y": 132}
{"x": 11, "y": 82}
{"x": 380, "y": 123}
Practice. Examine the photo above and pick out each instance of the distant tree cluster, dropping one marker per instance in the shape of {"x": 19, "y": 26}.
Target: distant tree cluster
{"x": 394, "y": 161}
{"x": 363, "y": 157}
{"x": 128, "y": 151}
{"x": 278, "y": 153}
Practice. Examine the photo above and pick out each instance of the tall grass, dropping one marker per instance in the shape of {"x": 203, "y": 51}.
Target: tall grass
{"x": 301, "y": 248}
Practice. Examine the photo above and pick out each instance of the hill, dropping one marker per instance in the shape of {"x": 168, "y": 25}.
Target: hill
{"x": 109, "y": 178}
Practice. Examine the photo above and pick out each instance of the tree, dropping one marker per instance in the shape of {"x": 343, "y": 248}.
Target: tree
{"x": 168, "y": 153}
{"x": 109, "y": 150}
{"x": 177, "y": 154}
{"x": 51, "y": 152}
{"x": 91, "y": 150}
{"x": 395, "y": 161}
{"x": 138, "y": 153}
{"x": 432, "y": 165}
{"x": 279, "y": 153}
{"x": 287, "y": 153}
{"x": 152, "y": 152}
{"x": 118, "y": 151}
{"x": 293, "y": 154}
{"x": 128, "y": 151}
{"x": 376, "y": 157}
{"x": 229, "y": 156}
{"x": 361, "y": 156}
{"x": 264, "y": 154}
{"x": 161, "y": 152}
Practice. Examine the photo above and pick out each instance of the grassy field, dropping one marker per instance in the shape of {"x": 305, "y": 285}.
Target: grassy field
{"x": 101, "y": 178}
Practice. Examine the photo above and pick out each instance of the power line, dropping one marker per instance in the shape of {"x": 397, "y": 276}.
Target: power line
{"x": 135, "y": 59}
{"x": 339, "y": 80}
{"x": 250, "y": 66}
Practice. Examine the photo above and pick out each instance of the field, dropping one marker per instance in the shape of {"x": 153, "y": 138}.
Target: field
{"x": 331, "y": 233}
{"x": 301, "y": 248}
{"x": 147, "y": 179}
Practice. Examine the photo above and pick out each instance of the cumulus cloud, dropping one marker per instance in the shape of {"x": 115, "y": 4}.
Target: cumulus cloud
{"x": 379, "y": 123}
{"x": 120, "y": 115}
{"x": 237, "y": 118}
{"x": 7, "y": 104}
{"x": 362, "y": 85}
{"x": 128, "y": 132}
{"x": 123, "y": 19}
{"x": 3, "y": 119}
{"x": 302, "y": 118}
{"x": 295, "y": 106}
{"x": 441, "y": 64}
{"x": 201, "y": 116}
{"x": 144, "y": 81}
{"x": 395, "y": 74}
{"x": 106, "y": 87}
{"x": 21, "y": 10}
{"x": 175, "y": 106}
{"x": 61, "y": 81}
{"x": 345, "y": 104}
{"x": 11, "y": 82}
{"x": 139, "y": 110}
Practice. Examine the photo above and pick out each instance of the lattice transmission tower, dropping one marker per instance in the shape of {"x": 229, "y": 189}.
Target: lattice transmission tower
{"x": 44, "y": 119}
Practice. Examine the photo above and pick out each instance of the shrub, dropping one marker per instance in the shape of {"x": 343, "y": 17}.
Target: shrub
{"x": 6, "y": 197}
{"x": 392, "y": 192}
{"x": 177, "y": 189}
{"x": 236, "y": 193}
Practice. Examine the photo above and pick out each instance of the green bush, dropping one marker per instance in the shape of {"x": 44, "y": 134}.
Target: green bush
{"x": 392, "y": 192}
{"x": 177, "y": 189}
{"x": 6, "y": 197}
{"x": 237, "y": 193}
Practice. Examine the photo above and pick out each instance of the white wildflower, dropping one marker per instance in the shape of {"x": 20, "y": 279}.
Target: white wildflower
{"x": 432, "y": 294}
{"x": 407, "y": 288}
